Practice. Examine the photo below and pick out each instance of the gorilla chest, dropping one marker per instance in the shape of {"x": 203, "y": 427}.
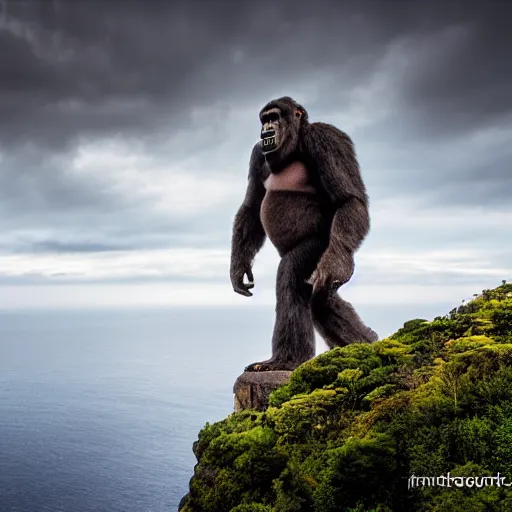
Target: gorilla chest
{"x": 295, "y": 177}
{"x": 290, "y": 211}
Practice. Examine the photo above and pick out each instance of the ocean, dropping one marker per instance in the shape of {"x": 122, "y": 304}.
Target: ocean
{"x": 99, "y": 409}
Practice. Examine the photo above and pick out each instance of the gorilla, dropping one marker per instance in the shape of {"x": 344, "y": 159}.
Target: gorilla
{"x": 305, "y": 193}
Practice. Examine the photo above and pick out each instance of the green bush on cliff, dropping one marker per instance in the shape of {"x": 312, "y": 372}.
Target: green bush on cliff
{"x": 353, "y": 424}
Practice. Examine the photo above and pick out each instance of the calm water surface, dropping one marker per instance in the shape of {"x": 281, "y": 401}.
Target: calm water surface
{"x": 99, "y": 410}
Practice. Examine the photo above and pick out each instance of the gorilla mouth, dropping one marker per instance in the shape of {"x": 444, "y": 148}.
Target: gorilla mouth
{"x": 269, "y": 141}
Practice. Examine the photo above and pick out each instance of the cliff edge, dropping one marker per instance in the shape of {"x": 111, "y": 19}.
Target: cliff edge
{"x": 359, "y": 428}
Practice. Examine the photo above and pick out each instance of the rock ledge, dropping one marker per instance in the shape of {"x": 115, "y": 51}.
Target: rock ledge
{"x": 252, "y": 389}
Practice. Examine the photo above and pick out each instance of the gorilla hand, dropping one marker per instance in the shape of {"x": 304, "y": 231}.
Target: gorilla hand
{"x": 327, "y": 278}
{"x": 237, "y": 280}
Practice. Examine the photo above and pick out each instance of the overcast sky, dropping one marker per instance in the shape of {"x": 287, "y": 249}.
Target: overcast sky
{"x": 126, "y": 129}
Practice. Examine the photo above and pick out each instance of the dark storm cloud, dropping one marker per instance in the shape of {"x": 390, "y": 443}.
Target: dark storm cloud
{"x": 74, "y": 71}
{"x": 81, "y": 67}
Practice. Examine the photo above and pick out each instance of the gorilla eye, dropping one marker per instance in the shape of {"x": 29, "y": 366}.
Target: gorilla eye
{"x": 298, "y": 113}
{"x": 273, "y": 117}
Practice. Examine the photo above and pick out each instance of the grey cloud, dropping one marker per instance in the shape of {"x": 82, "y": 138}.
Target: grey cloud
{"x": 83, "y": 238}
{"x": 167, "y": 76}
{"x": 468, "y": 83}
{"x": 111, "y": 66}
{"x": 56, "y": 246}
{"x": 447, "y": 173}
{"x": 65, "y": 279}
{"x": 42, "y": 180}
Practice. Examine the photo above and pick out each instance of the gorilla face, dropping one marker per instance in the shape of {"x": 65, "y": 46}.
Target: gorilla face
{"x": 271, "y": 130}
{"x": 281, "y": 122}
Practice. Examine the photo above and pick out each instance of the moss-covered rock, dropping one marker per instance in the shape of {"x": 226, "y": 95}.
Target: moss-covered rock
{"x": 353, "y": 424}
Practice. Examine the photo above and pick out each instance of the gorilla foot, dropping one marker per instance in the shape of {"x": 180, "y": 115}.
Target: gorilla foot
{"x": 272, "y": 365}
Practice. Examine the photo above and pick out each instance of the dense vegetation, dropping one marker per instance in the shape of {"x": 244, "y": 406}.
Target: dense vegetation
{"x": 356, "y": 422}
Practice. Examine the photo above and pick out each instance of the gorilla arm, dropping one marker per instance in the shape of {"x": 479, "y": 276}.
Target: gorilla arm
{"x": 248, "y": 233}
{"x": 332, "y": 154}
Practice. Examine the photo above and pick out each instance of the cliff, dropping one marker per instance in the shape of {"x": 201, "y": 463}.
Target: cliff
{"x": 355, "y": 423}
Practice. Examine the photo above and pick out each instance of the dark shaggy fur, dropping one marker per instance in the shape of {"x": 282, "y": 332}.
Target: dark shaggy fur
{"x": 316, "y": 235}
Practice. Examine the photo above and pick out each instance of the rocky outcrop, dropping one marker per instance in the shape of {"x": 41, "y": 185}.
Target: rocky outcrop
{"x": 252, "y": 389}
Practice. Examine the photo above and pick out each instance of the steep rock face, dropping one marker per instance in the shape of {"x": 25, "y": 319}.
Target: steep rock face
{"x": 353, "y": 425}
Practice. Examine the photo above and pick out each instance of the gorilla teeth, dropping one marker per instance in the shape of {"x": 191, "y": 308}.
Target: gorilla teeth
{"x": 269, "y": 141}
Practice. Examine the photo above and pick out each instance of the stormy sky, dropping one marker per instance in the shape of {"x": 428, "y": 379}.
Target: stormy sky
{"x": 126, "y": 129}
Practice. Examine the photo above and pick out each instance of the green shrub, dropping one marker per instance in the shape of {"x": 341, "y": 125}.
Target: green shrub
{"x": 353, "y": 424}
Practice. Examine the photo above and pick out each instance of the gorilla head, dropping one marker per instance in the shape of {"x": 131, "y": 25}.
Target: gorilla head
{"x": 281, "y": 123}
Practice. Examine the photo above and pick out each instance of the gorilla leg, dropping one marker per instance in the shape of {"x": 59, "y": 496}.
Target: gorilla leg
{"x": 337, "y": 321}
{"x": 293, "y": 340}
